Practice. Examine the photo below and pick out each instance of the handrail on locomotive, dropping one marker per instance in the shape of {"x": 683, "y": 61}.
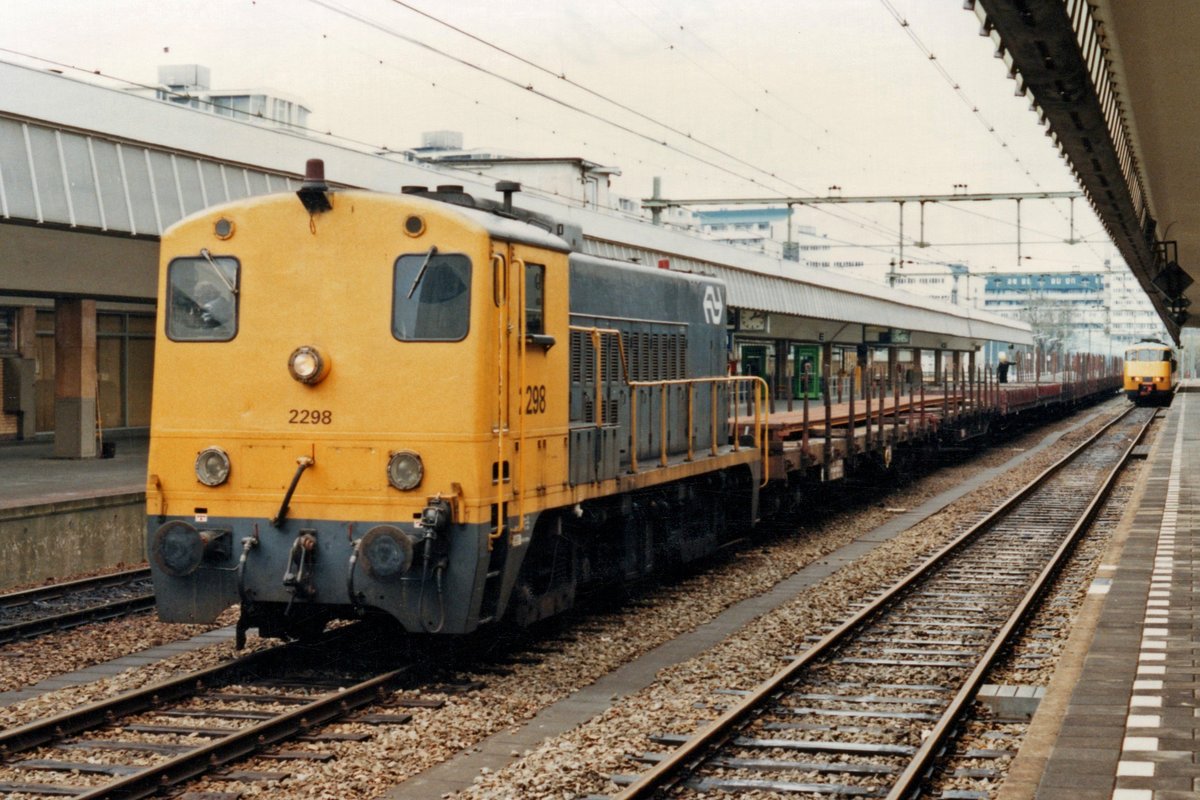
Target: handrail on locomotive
{"x": 760, "y": 388}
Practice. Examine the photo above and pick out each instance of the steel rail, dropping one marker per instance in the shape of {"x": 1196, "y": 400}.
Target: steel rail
{"x": 242, "y": 743}
{"x": 151, "y": 779}
{"x": 73, "y": 619}
{"x": 40, "y": 593}
{"x": 691, "y": 754}
{"x": 103, "y": 712}
{"x": 922, "y": 759}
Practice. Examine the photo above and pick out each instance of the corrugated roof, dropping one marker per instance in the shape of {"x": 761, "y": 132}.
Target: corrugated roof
{"x": 785, "y": 287}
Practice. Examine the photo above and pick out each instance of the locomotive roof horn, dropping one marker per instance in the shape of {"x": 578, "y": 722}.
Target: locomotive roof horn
{"x": 314, "y": 192}
{"x": 508, "y": 189}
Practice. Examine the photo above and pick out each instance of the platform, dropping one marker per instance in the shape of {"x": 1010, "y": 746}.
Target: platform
{"x": 31, "y": 475}
{"x": 61, "y": 517}
{"x": 1120, "y": 720}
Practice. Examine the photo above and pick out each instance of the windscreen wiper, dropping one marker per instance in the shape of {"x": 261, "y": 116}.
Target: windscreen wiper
{"x": 421, "y": 272}
{"x": 221, "y": 275}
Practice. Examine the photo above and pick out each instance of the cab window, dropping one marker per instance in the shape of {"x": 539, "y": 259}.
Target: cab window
{"x": 431, "y": 298}
{"x": 535, "y": 299}
{"x": 202, "y": 298}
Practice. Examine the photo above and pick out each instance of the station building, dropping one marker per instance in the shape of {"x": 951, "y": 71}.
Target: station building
{"x": 1086, "y": 312}
{"x": 572, "y": 179}
{"x": 190, "y": 85}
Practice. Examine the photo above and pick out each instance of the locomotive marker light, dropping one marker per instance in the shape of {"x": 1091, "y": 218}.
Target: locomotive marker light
{"x": 307, "y": 365}
{"x": 405, "y": 470}
{"x": 314, "y": 192}
{"x": 414, "y": 225}
{"x": 212, "y": 466}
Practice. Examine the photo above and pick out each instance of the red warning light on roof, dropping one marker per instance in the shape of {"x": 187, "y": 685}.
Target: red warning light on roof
{"x": 664, "y": 263}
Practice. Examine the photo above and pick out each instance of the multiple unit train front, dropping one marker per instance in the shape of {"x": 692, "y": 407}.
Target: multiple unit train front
{"x": 1151, "y": 373}
{"x": 369, "y": 403}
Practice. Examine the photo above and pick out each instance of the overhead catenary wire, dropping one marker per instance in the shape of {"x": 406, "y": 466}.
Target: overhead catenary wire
{"x": 446, "y": 86}
{"x": 625, "y": 107}
{"x": 558, "y": 75}
{"x": 561, "y": 76}
{"x": 733, "y": 173}
{"x": 954, "y": 84}
{"x": 529, "y": 88}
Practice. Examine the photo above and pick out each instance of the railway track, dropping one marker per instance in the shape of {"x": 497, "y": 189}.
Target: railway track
{"x": 168, "y": 733}
{"x": 866, "y": 710}
{"x": 33, "y": 612}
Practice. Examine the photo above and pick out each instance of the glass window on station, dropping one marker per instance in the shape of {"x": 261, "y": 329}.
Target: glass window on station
{"x": 124, "y": 369}
{"x": 8, "y": 331}
{"x": 43, "y": 370}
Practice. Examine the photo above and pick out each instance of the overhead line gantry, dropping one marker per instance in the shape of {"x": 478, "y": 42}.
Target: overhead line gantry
{"x": 657, "y": 204}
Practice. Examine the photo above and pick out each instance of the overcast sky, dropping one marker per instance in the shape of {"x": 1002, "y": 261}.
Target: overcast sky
{"x": 719, "y": 98}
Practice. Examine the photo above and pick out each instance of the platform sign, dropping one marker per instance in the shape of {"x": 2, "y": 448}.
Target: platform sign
{"x": 875, "y": 334}
{"x": 755, "y": 321}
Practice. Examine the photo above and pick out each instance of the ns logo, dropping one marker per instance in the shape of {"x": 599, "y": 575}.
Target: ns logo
{"x": 713, "y": 305}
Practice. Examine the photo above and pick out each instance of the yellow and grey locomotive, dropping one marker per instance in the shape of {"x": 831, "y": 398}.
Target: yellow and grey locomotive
{"x": 438, "y": 411}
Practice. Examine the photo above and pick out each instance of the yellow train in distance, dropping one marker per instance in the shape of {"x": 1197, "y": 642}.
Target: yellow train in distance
{"x": 1151, "y": 373}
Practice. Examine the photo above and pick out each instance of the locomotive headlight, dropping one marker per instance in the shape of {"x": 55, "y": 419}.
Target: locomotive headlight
{"x": 405, "y": 470}
{"x": 307, "y": 365}
{"x": 212, "y": 466}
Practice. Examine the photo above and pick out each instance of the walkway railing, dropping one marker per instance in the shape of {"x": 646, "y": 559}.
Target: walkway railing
{"x": 735, "y": 386}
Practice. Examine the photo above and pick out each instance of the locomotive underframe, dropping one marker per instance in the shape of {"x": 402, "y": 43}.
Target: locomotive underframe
{"x": 292, "y": 580}
{"x": 280, "y": 590}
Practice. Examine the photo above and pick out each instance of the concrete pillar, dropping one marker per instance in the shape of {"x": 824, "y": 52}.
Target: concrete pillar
{"x": 27, "y": 350}
{"x": 74, "y": 378}
{"x": 972, "y": 378}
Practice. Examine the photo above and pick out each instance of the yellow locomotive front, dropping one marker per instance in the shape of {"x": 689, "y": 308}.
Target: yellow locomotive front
{"x": 1151, "y": 373}
{"x": 333, "y": 395}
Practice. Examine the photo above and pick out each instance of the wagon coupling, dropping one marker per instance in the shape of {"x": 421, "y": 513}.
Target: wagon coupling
{"x": 300, "y": 574}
